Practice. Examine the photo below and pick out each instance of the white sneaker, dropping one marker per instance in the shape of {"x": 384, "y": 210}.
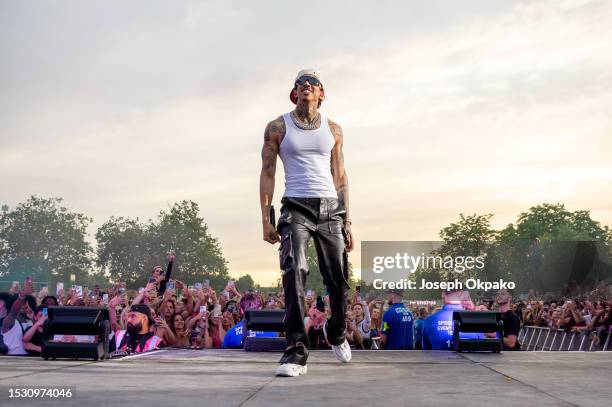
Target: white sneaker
{"x": 342, "y": 352}
{"x": 291, "y": 370}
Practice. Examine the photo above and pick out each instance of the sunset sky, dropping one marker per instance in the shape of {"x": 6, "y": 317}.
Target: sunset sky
{"x": 123, "y": 108}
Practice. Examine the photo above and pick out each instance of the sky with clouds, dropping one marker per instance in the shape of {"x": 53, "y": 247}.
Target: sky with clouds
{"x": 123, "y": 108}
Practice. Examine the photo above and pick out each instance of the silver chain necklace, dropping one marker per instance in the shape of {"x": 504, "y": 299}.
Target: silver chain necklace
{"x": 306, "y": 126}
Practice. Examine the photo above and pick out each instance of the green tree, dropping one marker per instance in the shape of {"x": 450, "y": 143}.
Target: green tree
{"x": 245, "y": 282}
{"x": 42, "y": 238}
{"x": 539, "y": 250}
{"x": 199, "y": 255}
{"x": 552, "y": 222}
{"x": 128, "y": 249}
{"x": 125, "y": 250}
{"x": 470, "y": 236}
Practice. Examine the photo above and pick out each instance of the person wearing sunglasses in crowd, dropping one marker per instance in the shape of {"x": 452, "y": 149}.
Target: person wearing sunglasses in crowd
{"x": 315, "y": 204}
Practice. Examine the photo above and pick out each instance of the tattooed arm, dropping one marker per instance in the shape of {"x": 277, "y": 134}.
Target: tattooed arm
{"x": 273, "y": 135}
{"x": 341, "y": 178}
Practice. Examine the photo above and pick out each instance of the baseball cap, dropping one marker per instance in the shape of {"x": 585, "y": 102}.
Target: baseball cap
{"x": 305, "y": 72}
{"x": 143, "y": 309}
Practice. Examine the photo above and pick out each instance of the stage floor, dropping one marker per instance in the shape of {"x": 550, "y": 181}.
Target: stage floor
{"x": 396, "y": 378}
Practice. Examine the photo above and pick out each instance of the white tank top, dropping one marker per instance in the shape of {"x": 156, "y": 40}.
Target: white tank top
{"x": 306, "y": 156}
{"x": 13, "y": 339}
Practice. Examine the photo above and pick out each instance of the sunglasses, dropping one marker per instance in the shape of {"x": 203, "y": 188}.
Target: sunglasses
{"x": 311, "y": 79}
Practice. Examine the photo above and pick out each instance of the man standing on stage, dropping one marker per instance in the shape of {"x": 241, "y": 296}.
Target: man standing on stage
{"x": 315, "y": 204}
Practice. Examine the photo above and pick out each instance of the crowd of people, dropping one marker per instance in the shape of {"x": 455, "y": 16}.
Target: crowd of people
{"x": 575, "y": 316}
{"x": 168, "y": 313}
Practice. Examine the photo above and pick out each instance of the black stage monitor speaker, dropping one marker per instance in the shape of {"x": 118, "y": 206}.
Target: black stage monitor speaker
{"x": 477, "y": 322}
{"x": 76, "y": 333}
{"x": 264, "y": 320}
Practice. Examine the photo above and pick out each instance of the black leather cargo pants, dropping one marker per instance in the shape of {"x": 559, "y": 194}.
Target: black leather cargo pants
{"x": 323, "y": 220}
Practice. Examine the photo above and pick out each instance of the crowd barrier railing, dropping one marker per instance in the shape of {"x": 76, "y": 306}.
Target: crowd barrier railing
{"x": 536, "y": 338}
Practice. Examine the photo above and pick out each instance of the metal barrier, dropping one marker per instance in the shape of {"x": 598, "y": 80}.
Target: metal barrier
{"x": 536, "y": 338}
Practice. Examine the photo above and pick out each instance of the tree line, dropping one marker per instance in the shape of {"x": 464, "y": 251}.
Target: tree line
{"x": 43, "y": 239}
{"x": 548, "y": 248}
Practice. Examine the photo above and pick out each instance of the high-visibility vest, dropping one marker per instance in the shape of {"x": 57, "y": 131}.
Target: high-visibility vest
{"x": 151, "y": 343}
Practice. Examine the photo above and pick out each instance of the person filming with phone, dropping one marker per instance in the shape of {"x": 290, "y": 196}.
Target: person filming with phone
{"x": 33, "y": 338}
{"x": 16, "y": 322}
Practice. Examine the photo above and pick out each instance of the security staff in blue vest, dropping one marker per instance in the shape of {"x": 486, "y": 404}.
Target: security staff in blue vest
{"x": 438, "y": 327}
{"x": 235, "y": 336}
{"x": 397, "y": 330}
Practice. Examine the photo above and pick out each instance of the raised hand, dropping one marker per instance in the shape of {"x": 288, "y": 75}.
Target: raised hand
{"x": 40, "y": 321}
{"x": 168, "y": 293}
{"x": 113, "y": 302}
{"x": 160, "y": 322}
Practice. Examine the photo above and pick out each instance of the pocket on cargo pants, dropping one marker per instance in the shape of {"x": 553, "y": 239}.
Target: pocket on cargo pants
{"x": 285, "y": 252}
